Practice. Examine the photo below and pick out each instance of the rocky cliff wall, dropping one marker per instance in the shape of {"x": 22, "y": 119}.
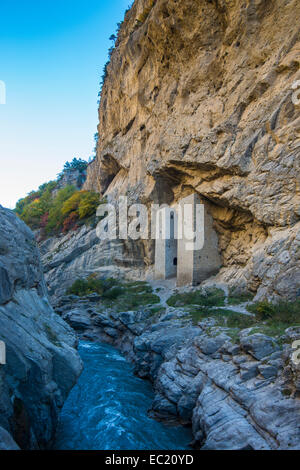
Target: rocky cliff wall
{"x": 42, "y": 363}
{"x": 198, "y": 98}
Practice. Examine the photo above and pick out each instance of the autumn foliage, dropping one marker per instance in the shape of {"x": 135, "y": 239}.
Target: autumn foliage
{"x": 54, "y": 212}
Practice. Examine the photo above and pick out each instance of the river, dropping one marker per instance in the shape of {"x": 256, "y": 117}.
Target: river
{"x": 107, "y": 409}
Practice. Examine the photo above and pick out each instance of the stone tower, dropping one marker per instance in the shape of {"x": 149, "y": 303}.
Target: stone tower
{"x": 186, "y": 243}
{"x": 196, "y": 265}
{"x": 166, "y": 244}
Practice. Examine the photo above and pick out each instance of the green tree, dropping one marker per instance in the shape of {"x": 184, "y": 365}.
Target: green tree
{"x": 56, "y": 217}
{"x": 88, "y": 204}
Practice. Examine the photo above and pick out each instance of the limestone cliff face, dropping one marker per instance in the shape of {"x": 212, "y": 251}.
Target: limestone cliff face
{"x": 198, "y": 98}
{"x": 42, "y": 363}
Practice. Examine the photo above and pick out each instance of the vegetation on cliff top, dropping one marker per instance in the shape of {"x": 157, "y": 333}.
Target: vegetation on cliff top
{"x": 54, "y": 208}
{"x": 77, "y": 164}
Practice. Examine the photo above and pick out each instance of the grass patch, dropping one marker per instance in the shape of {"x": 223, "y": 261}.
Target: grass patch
{"x": 139, "y": 287}
{"x": 237, "y": 297}
{"x": 274, "y": 319}
{"x": 285, "y": 312}
{"x": 158, "y": 310}
{"x": 271, "y": 329}
{"x": 234, "y": 334}
{"x": 223, "y": 317}
{"x": 130, "y": 301}
{"x": 200, "y": 313}
{"x": 239, "y": 320}
{"x": 113, "y": 293}
{"x": 208, "y": 298}
{"x": 122, "y": 296}
{"x": 91, "y": 285}
{"x": 269, "y": 319}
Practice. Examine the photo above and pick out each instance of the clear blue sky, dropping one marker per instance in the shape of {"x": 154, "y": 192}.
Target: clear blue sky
{"x": 52, "y": 53}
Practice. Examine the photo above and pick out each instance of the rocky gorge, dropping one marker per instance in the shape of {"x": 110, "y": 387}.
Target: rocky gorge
{"x": 198, "y": 98}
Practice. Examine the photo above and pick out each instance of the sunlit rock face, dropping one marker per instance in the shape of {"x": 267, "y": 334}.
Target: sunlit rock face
{"x": 198, "y": 98}
{"x": 42, "y": 363}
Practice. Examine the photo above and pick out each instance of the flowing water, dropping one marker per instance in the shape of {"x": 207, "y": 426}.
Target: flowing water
{"x": 107, "y": 409}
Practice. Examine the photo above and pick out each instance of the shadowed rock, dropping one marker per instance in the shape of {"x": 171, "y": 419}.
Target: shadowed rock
{"x": 42, "y": 363}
